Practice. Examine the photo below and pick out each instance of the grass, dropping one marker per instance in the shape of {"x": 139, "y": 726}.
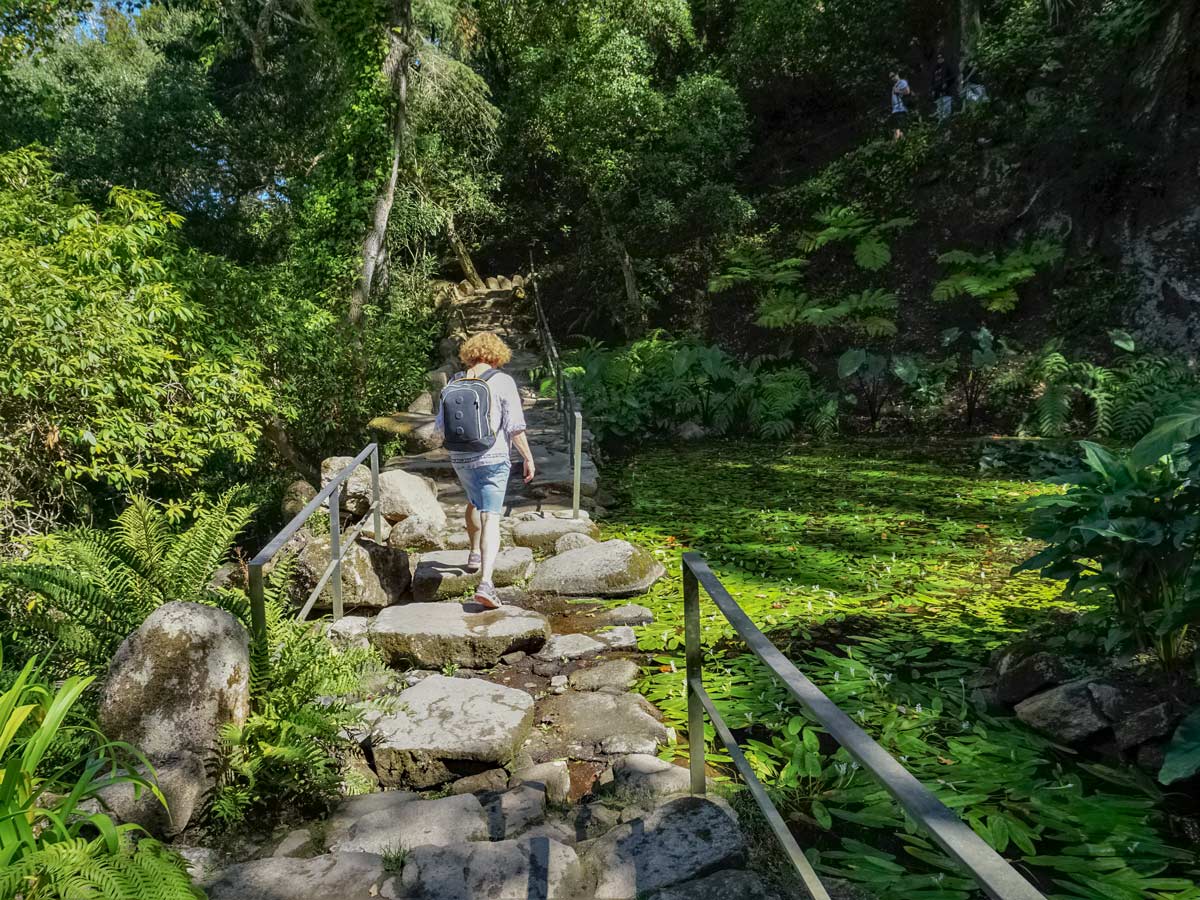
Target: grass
{"x": 883, "y": 572}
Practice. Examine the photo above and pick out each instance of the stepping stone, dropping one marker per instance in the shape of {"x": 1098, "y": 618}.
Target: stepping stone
{"x": 731, "y": 885}
{"x": 506, "y": 870}
{"x": 515, "y": 811}
{"x": 681, "y": 841}
{"x": 629, "y": 614}
{"x": 447, "y": 820}
{"x": 347, "y": 876}
{"x": 573, "y": 541}
{"x": 568, "y": 646}
{"x": 432, "y": 635}
{"x": 443, "y": 573}
{"x": 610, "y": 569}
{"x": 491, "y": 780}
{"x": 621, "y": 638}
{"x": 554, "y": 776}
{"x": 350, "y": 810}
{"x": 644, "y": 776}
{"x": 542, "y": 534}
{"x": 443, "y": 721}
{"x": 595, "y": 724}
{"x": 614, "y": 676}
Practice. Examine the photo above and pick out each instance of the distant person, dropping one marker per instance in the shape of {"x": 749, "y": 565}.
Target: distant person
{"x": 944, "y": 84}
{"x": 973, "y": 90}
{"x": 480, "y": 417}
{"x": 900, "y": 90}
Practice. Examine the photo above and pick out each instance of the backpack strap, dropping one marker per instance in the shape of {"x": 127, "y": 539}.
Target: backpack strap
{"x": 487, "y": 376}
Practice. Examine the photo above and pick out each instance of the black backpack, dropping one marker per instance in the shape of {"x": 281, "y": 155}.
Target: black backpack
{"x": 467, "y": 414}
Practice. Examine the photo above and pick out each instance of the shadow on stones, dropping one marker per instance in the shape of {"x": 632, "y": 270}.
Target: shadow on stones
{"x": 539, "y": 869}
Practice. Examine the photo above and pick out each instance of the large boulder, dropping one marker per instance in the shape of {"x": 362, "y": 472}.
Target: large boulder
{"x": 176, "y": 680}
{"x": 442, "y": 574}
{"x": 373, "y": 576}
{"x": 295, "y": 497}
{"x": 437, "y": 634}
{"x": 356, "y": 490}
{"x": 182, "y": 780}
{"x": 505, "y": 870}
{"x": 641, "y": 776}
{"x": 541, "y": 535}
{"x": 1066, "y": 713}
{"x": 440, "y": 723}
{"x": 683, "y": 840}
{"x": 403, "y": 495}
{"x": 346, "y": 876}
{"x": 416, "y": 534}
{"x": 1018, "y": 677}
{"x": 610, "y": 569}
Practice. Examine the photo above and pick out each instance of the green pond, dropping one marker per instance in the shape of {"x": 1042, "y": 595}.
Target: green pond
{"x": 884, "y": 574}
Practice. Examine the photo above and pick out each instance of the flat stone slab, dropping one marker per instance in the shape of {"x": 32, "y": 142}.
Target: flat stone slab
{"x": 524, "y": 869}
{"x": 350, "y": 810}
{"x": 729, "y": 885}
{"x": 614, "y": 675}
{"x": 432, "y": 635}
{"x": 619, "y": 638}
{"x": 569, "y": 646}
{"x": 447, "y": 820}
{"x": 447, "y": 720}
{"x": 642, "y": 776}
{"x": 443, "y": 573}
{"x": 596, "y": 724}
{"x": 347, "y": 876}
{"x": 686, "y": 839}
{"x": 629, "y": 614}
{"x": 610, "y": 569}
{"x": 542, "y": 534}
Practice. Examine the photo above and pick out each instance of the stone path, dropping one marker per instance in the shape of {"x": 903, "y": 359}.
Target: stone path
{"x": 513, "y": 759}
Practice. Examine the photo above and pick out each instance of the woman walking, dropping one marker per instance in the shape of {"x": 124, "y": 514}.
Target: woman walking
{"x": 480, "y": 419}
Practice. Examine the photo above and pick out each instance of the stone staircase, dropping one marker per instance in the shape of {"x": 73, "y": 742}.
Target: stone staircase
{"x": 512, "y": 758}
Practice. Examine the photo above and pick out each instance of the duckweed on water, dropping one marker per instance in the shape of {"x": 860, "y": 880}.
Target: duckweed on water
{"x": 884, "y": 574}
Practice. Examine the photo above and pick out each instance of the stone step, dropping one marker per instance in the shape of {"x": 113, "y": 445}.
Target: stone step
{"x": 447, "y": 727}
{"x": 596, "y": 725}
{"x": 442, "y": 574}
{"x": 506, "y": 870}
{"x": 434, "y": 635}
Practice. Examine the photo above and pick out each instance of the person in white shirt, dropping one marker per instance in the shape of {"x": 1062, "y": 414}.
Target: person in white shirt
{"x": 484, "y": 475}
{"x": 900, "y": 90}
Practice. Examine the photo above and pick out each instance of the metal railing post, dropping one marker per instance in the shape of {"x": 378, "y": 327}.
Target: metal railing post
{"x": 258, "y": 608}
{"x": 375, "y": 496}
{"x": 577, "y": 464}
{"x": 335, "y": 549}
{"x": 695, "y": 678}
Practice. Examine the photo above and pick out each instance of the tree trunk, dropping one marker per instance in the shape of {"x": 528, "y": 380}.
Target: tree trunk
{"x": 969, "y": 24}
{"x": 395, "y": 69}
{"x": 276, "y": 434}
{"x": 463, "y": 253}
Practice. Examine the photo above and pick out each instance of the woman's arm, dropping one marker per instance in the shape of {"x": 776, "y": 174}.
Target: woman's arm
{"x": 521, "y": 442}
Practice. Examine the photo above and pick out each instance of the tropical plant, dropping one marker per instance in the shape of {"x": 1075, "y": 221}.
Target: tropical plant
{"x": 1128, "y": 531}
{"x": 994, "y": 281}
{"x": 50, "y": 846}
{"x": 876, "y": 378}
{"x": 977, "y": 363}
{"x": 95, "y": 587}
{"x": 866, "y": 232}
{"x": 870, "y": 312}
{"x": 753, "y": 264}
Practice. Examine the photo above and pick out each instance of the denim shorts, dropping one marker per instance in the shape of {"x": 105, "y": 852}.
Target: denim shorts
{"x": 485, "y": 485}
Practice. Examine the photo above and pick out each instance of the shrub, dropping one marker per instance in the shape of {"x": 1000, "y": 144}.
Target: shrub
{"x": 1128, "y": 530}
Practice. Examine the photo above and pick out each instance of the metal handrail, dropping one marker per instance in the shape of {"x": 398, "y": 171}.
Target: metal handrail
{"x": 339, "y": 544}
{"x": 998, "y": 879}
{"x": 569, "y": 410}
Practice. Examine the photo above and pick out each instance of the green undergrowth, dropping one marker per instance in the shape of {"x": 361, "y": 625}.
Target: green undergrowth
{"x": 883, "y": 572}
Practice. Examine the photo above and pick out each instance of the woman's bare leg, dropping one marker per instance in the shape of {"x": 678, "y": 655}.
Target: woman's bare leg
{"x": 490, "y": 545}
{"x": 473, "y": 527}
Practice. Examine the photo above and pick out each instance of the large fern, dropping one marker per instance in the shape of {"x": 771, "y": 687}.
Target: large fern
{"x": 993, "y": 280}
{"x": 98, "y": 586}
{"x": 79, "y": 868}
{"x": 868, "y": 234}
